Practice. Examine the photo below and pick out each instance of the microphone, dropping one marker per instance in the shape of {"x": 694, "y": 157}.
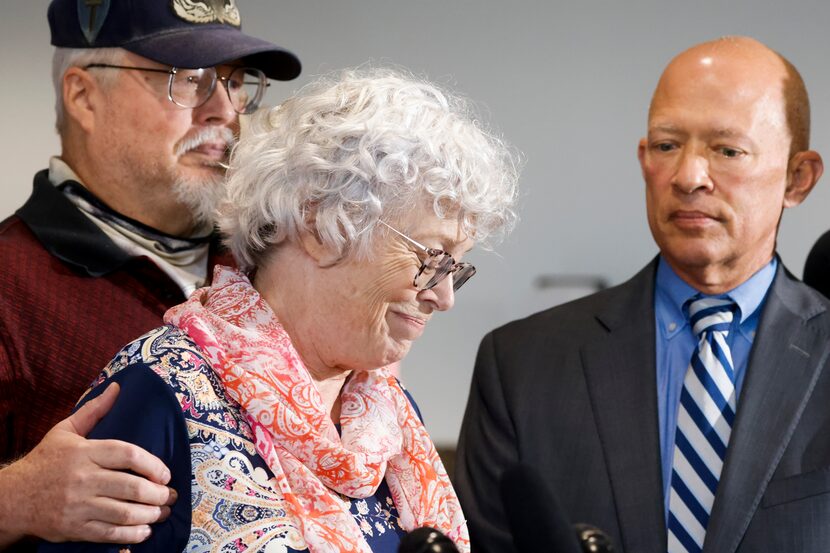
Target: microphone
{"x": 426, "y": 540}
{"x": 537, "y": 520}
{"x": 592, "y": 539}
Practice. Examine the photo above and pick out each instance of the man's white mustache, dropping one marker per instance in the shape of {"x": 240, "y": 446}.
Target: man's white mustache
{"x": 205, "y": 136}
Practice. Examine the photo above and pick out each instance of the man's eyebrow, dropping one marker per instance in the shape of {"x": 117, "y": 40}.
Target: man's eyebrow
{"x": 724, "y": 132}
{"x": 665, "y": 128}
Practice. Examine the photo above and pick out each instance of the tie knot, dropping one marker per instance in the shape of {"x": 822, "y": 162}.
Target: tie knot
{"x": 711, "y": 314}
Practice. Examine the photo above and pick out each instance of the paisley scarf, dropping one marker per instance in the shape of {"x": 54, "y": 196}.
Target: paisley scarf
{"x": 381, "y": 434}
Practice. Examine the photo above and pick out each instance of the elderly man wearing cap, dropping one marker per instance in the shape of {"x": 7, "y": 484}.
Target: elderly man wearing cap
{"x": 117, "y": 230}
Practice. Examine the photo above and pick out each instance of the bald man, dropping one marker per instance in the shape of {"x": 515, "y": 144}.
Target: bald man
{"x": 686, "y": 409}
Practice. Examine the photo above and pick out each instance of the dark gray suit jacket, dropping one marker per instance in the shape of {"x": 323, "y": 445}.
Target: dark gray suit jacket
{"x": 572, "y": 391}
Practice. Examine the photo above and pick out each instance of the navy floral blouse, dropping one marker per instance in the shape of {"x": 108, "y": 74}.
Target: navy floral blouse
{"x": 173, "y": 405}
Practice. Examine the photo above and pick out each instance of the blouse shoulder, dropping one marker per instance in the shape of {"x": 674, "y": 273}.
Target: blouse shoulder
{"x": 166, "y": 350}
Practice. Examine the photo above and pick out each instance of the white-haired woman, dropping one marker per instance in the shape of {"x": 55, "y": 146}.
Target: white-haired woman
{"x": 350, "y": 207}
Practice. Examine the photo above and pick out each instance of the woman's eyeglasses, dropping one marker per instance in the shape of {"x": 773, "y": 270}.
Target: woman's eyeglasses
{"x": 191, "y": 88}
{"x": 437, "y": 265}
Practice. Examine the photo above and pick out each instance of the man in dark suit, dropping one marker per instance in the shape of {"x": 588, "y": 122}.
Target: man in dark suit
{"x": 686, "y": 409}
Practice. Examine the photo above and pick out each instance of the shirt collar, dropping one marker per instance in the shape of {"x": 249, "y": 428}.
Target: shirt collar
{"x": 67, "y": 233}
{"x": 747, "y": 295}
{"x": 72, "y": 237}
{"x": 60, "y": 172}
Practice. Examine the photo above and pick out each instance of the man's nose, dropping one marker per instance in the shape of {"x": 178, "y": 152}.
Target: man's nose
{"x": 692, "y": 171}
{"x": 218, "y": 109}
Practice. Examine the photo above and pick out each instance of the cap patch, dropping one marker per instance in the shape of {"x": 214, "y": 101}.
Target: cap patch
{"x": 91, "y": 16}
{"x": 206, "y": 11}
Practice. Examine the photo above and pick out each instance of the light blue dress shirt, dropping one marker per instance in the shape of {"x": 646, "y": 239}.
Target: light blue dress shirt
{"x": 676, "y": 342}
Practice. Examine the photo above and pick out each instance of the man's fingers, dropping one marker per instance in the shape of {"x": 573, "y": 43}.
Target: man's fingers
{"x": 124, "y": 513}
{"x": 102, "y": 532}
{"x": 165, "y": 513}
{"x": 129, "y": 487}
{"x": 84, "y": 419}
{"x": 118, "y": 455}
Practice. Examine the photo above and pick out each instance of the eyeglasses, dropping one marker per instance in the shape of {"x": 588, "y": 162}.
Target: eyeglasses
{"x": 191, "y": 88}
{"x": 437, "y": 266}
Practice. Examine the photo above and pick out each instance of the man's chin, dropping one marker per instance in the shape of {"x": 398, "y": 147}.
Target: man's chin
{"x": 201, "y": 195}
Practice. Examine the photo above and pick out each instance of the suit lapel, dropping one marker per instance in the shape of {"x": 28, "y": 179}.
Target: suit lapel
{"x": 620, "y": 373}
{"x": 785, "y": 363}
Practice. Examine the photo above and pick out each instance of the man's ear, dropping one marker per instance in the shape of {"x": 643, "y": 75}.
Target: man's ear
{"x": 641, "y": 152}
{"x": 804, "y": 170}
{"x": 324, "y": 255}
{"x": 80, "y": 93}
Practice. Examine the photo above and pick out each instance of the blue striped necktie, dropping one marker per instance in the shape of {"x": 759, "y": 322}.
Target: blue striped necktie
{"x": 704, "y": 423}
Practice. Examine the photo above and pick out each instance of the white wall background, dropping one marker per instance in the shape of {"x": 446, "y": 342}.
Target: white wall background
{"x": 566, "y": 82}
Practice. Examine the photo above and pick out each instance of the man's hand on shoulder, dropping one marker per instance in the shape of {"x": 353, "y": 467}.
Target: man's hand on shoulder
{"x": 69, "y": 488}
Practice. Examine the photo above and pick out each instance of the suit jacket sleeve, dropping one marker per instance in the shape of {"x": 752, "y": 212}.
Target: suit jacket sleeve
{"x": 486, "y": 448}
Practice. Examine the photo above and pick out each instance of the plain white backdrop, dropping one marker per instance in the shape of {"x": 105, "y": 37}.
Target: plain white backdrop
{"x": 567, "y": 83}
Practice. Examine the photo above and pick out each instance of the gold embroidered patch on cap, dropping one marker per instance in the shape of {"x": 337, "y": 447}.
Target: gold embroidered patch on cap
{"x": 208, "y": 11}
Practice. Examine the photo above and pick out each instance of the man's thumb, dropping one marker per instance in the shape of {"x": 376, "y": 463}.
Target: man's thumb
{"x": 84, "y": 419}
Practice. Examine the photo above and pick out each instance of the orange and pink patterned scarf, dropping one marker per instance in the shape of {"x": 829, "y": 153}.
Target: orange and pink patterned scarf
{"x": 382, "y": 436}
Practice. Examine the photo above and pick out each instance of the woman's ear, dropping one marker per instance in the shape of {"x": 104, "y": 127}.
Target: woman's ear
{"x": 804, "y": 171}
{"x": 314, "y": 247}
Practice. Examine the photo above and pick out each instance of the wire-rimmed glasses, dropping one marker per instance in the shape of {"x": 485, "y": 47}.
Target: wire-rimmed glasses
{"x": 437, "y": 265}
{"x": 191, "y": 88}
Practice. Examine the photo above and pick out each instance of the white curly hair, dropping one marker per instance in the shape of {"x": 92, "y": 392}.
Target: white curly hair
{"x": 361, "y": 146}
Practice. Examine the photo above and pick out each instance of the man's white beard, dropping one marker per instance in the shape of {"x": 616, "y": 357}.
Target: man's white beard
{"x": 202, "y": 198}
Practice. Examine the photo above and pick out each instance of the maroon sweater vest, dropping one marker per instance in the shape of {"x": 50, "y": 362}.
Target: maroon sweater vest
{"x": 69, "y": 300}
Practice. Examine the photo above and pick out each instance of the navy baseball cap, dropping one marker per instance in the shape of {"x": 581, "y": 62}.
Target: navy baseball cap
{"x": 180, "y": 33}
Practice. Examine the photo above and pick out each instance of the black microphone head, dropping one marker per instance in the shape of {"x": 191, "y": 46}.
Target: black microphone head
{"x": 592, "y": 539}
{"x": 536, "y": 519}
{"x": 426, "y": 540}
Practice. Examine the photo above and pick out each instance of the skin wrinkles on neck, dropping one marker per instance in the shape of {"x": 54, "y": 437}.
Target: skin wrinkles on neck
{"x": 295, "y": 276}
{"x": 329, "y": 382}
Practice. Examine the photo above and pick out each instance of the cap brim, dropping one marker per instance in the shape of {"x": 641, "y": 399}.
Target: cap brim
{"x": 214, "y": 45}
